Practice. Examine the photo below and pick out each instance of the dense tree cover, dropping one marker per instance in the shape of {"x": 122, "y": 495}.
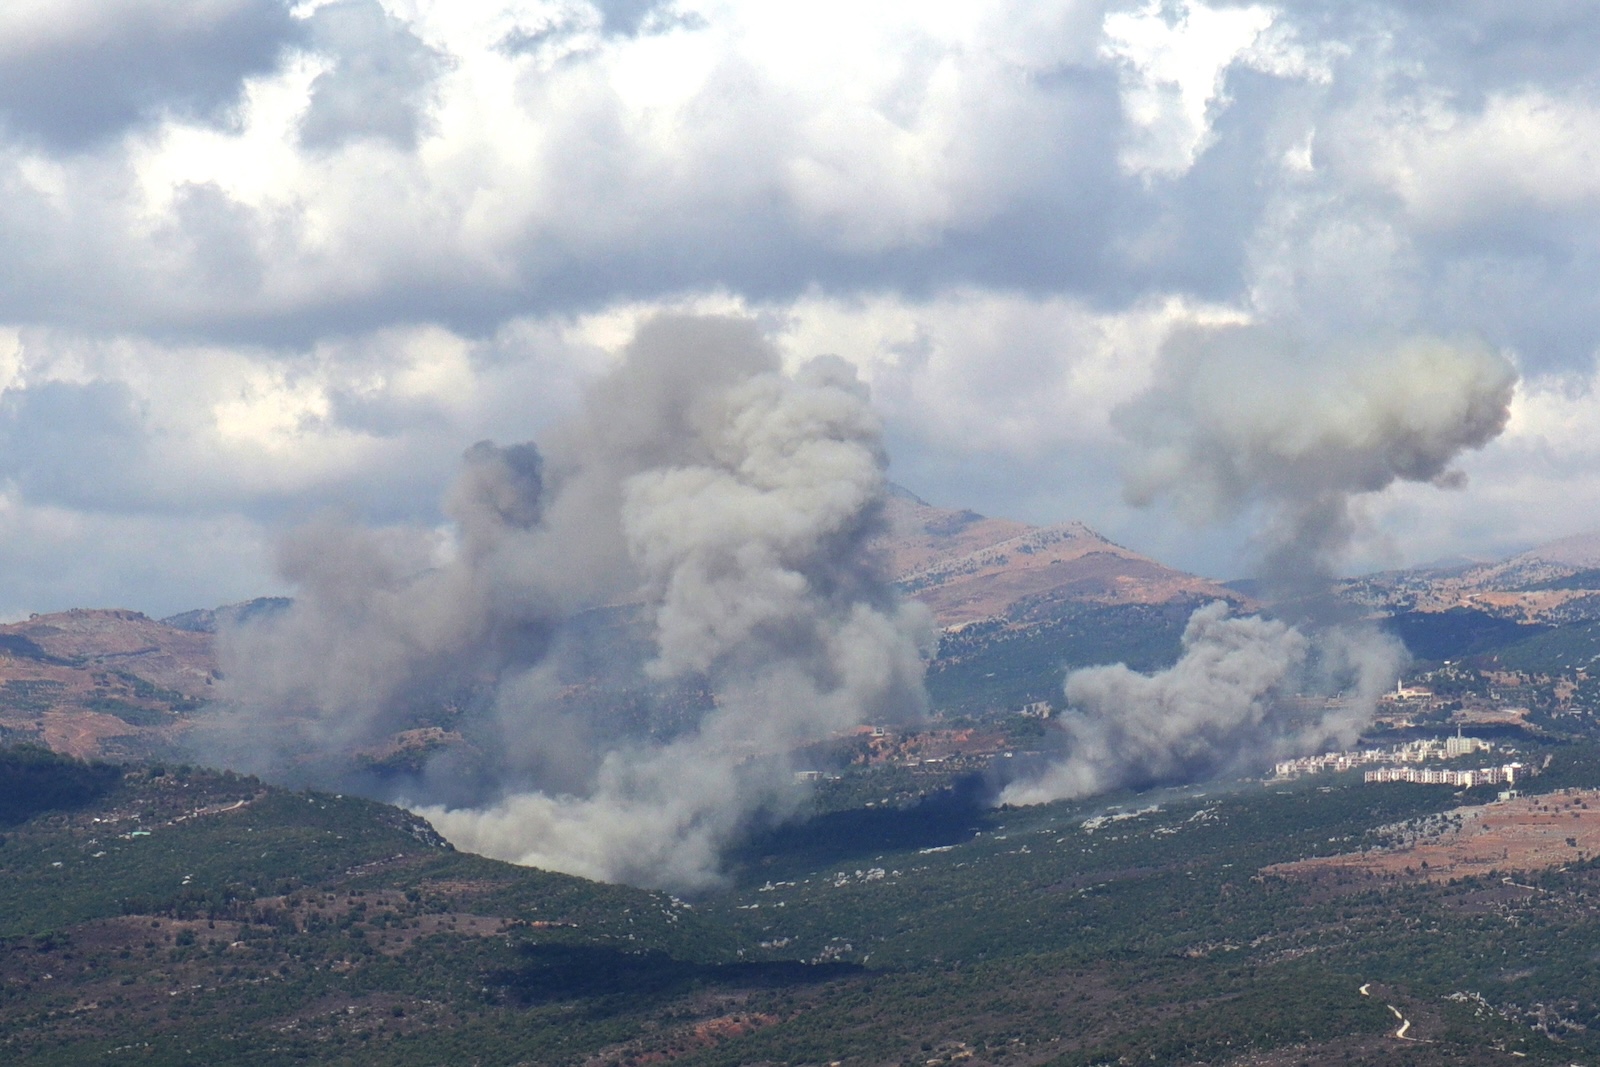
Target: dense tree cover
{"x": 207, "y": 917}
{"x": 1455, "y": 634}
{"x": 35, "y": 780}
{"x": 1557, "y": 651}
{"x": 1002, "y": 666}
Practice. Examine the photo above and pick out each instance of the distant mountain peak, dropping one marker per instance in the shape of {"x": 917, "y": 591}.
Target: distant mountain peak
{"x": 1578, "y": 550}
{"x": 1556, "y": 582}
{"x": 208, "y": 620}
{"x": 966, "y": 566}
{"x": 900, "y": 492}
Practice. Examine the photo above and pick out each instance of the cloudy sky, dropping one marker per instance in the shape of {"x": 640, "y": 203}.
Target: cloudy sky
{"x": 260, "y": 259}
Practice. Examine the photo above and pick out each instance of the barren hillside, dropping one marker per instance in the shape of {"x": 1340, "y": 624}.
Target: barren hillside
{"x": 1557, "y": 582}
{"x": 966, "y": 567}
{"x": 100, "y": 682}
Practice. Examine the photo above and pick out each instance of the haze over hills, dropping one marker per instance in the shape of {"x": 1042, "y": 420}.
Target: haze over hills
{"x": 1554, "y": 582}
{"x": 106, "y": 683}
{"x": 1017, "y": 602}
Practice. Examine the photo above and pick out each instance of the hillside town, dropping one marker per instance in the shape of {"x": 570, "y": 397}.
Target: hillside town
{"x": 1506, "y": 774}
{"x": 1410, "y": 752}
{"x": 1408, "y": 755}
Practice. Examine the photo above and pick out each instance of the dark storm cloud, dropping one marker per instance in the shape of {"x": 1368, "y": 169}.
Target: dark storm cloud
{"x": 86, "y": 72}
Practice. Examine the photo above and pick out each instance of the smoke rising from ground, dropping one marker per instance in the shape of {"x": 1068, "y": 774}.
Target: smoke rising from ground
{"x": 704, "y": 502}
{"x": 1232, "y": 702}
{"x": 1245, "y": 417}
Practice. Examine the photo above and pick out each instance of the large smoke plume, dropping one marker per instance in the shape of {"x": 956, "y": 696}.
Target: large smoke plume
{"x": 696, "y": 534}
{"x": 1243, "y": 419}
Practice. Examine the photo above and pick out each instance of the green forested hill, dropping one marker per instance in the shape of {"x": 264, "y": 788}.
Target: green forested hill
{"x": 179, "y": 916}
{"x": 183, "y": 916}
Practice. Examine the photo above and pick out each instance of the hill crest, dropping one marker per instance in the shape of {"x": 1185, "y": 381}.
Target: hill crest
{"x": 965, "y": 566}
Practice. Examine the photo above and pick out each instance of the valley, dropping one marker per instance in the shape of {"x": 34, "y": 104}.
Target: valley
{"x": 157, "y": 912}
{"x": 1198, "y": 925}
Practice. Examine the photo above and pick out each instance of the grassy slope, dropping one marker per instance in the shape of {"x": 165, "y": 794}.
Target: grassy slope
{"x": 321, "y": 929}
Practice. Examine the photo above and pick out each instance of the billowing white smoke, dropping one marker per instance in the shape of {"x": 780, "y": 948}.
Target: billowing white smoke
{"x": 1231, "y": 701}
{"x": 751, "y": 560}
{"x": 701, "y": 485}
{"x": 1245, "y": 417}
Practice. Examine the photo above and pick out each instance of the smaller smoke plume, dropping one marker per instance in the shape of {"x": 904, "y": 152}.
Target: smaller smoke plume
{"x": 1235, "y": 699}
{"x": 385, "y": 624}
{"x": 1246, "y": 417}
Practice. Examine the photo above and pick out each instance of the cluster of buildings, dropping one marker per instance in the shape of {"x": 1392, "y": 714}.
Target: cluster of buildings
{"x": 1503, "y": 775}
{"x": 1411, "y": 752}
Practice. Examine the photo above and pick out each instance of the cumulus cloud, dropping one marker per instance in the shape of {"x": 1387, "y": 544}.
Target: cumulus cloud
{"x": 370, "y": 232}
{"x": 701, "y": 494}
{"x": 76, "y": 72}
{"x": 379, "y": 80}
{"x": 1174, "y": 70}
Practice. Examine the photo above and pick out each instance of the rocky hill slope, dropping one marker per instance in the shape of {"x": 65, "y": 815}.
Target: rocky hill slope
{"x": 1553, "y": 583}
{"x": 967, "y": 567}
{"x": 117, "y": 684}
{"x": 101, "y": 682}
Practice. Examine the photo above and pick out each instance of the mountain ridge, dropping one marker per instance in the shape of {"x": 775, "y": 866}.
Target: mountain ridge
{"x": 966, "y": 567}
{"x": 1554, "y": 582}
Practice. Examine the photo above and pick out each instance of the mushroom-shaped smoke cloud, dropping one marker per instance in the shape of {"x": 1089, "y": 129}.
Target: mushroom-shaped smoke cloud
{"x": 1244, "y": 417}
{"x": 1247, "y": 415}
{"x": 719, "y": 503}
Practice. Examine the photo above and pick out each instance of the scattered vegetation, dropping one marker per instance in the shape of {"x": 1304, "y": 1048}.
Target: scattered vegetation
{"x": 172, "y": 915}
{"x": 175, "y": 915}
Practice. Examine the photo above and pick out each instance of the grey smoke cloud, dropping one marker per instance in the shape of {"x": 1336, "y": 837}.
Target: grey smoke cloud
{"x": 718, "y": 506}
{"x": 1243, "y": 692}
{"x": 1244, "y": 417}
{"x": 1181, "y": 723}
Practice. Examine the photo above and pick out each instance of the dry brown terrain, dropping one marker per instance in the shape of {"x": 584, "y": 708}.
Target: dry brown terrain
{"x": 1506, "y": 588}
{"x": 1522, "y": 834}
{"x": 117, "y": 684}
{"x": 100, "y": 682}
{"x": 967, "y": 567}
{"x": 125, "y": 641}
